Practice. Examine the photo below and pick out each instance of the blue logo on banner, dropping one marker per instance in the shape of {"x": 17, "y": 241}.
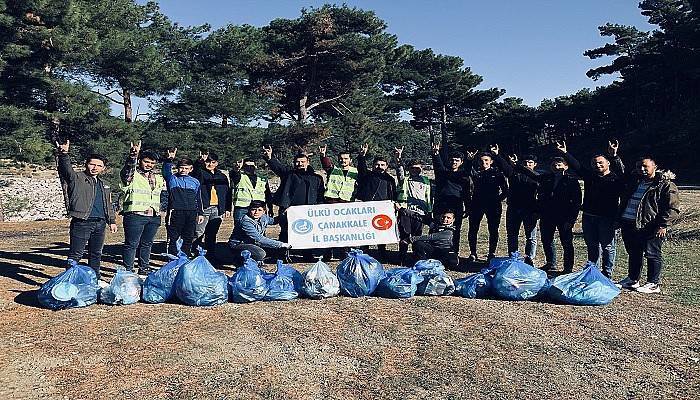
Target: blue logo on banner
{"x": 302, "y": 226}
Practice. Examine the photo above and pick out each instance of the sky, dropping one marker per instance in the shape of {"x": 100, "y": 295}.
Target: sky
{"x": 531, "y": 48}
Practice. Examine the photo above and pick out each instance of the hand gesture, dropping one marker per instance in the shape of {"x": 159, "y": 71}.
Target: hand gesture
{"x": 661, "y": 232}
{"x": 613, "y": 145}
{"x": 200, "y": 219}
{"x": 513, "y": 158}
{"x": 436, "y": 148}
{"x": 227, "y": 215}
{"x": 561, "y": 145}
{"x": 494, "y": 148}
{"x": 471, "y": 154}
{"x": 363, "y": 149}
{"x": 113, "y": 228}
{"x": 239, "y": 165}
{"x": 267, "y": 152}
{"x": 63, "y": 147}
{"x": 171, "y": 152}
{"x": 203, "y": 155}
{"x": 322, "y": 150}
{"x": 135, "y": 148}
{"x": 398, "y": 152}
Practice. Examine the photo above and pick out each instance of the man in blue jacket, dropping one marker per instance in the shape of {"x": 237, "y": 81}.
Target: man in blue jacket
{"x": 183, "y": 203}
{"x": 249, "y": 234}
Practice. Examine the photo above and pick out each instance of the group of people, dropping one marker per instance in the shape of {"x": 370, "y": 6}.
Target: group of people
{"x": 642, "y": 202}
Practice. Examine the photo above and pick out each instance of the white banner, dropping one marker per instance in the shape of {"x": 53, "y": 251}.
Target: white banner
{"x": 342, "y": 224}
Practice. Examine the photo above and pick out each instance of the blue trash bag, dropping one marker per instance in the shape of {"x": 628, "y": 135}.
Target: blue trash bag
{"x": 124, "y": 289}
{"x": 281, "y": 285}
{"x": 588, "y": 287}
{"x": 515, "y": 280}
{"x": 359, "y": 274}
{"x": 159, "y": 286}
{"x": 248, "y": 283}
{"x": 74, "y": 287}
{"x": 429, "y": 267}
{"x": 320, "y": 282}
{"x": 399, "y": 283}
{"x": 436, "y": 284}
{"x": 496, "y": 262}
{"x": 198, "y": 284}
{"x": 476, "y": 286}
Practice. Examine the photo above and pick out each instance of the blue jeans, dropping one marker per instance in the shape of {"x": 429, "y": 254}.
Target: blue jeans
{"x": 239, "y": 213}
{"x": 515, "y": 218}
{"x": 599, "y": 234}
{"x": 139, "y": 231}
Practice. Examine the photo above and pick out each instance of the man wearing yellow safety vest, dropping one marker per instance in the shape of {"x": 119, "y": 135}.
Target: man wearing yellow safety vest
{"x": 141, "y": 206}
{"x": 341, "y": 181}
{"x": 247, "y": 186}
{"x": 413, "y": 199}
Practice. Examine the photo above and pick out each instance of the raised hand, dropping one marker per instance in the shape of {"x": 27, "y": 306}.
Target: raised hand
{"x": 613, "y": 146}
{"x": 239, "y": 165}
{"x": 135, "y": 148}
{"x": 322, "y": 150}
{"x": 363, "y": 149}
{"x": 561, "y": 145}
{"x": 398, "y": 152}
{"x": 436, "y": 148}
{"x": 113, "y": 228}
{"x": 267, "y": 151}
{"x": 471, "y": 154}
{"x": 513, "y": 157}
{"x": 203, "y": 155}
{"x": 494, "y": 148}
{"x": 63, "y": 147}
{"x": 172, "y": 152}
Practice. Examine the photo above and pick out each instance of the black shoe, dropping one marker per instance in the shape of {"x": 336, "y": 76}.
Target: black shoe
{"x": 472, "y": 258}
{"x": 548, "y": 267}
{"x": 490, "y": 257}
{"x": 528, "y": 261}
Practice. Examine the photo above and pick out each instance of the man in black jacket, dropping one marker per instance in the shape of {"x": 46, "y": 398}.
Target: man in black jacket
{"x": 452, "y": 189}
{"x": 490, "y": 189}
{"x": 438, "y": 242}
{"x": 89, "y": 206}
{"x": 649, "y": 205}
{"x": 522, "y": 201}
{"x": 299, "y": 186}
{"x": 602, "y": 184}
{"x": 214, "y": 200}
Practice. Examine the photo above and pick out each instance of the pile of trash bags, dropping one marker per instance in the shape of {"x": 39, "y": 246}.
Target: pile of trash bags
{"x": 196, "y": 282}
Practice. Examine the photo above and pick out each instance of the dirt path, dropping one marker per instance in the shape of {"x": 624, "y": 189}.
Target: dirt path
{"x": 341, "y": 348}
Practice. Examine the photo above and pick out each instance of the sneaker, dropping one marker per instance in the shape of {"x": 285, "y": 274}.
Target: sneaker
{"x": 649, "y": 287}
{"x": 471, "y": 258}
{"x": 627, "y": 283}
{"x": 102, "y": 284}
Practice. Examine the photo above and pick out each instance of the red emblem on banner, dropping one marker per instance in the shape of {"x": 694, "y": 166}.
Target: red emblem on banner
{"x": 381, "y": 222}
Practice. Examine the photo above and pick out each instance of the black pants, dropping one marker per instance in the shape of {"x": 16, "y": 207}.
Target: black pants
{"x": 424, "y": 250}
{"x": 181, "y": 224}
{"x": 257, "y": 253}
{"x": 90, "y": 233}
{"x": 640, "y": 244}
{"x": 547, "y": 227}
{"x": 493, "y": 219}
{"x": 410, "y": 224}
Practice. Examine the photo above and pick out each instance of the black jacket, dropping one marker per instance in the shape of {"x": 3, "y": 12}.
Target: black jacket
{"x": 373, "y": 186}
{"x": 522, "y": 188}
{"x": 297, "y": 188}
{"x": 440, "y": 236}
{"x": 81, "y": 191}
{"x": 207, "y": 180}
{"x": 660, "y": 204}
{"x": 557, "y": 201}
{"x": 452, "y": 188}
{"x": 490, "y": 187}
{"x": 601, "y": 196}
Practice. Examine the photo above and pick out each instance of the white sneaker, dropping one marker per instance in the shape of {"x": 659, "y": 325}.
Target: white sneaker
{"x": 102, "y": 284}
{"x": 627, "y": 283}
{"x": 649, "y": 287}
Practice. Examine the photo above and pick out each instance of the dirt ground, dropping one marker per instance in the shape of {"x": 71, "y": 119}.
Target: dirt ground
{"x": 640, "y": 346}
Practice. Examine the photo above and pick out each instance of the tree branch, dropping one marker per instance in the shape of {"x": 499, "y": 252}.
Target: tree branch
{"x": 318, "y": 103}
{"x": 106, "y": 95}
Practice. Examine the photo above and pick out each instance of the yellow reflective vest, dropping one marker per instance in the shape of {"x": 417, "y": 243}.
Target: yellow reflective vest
{"x": 244, "y": 192}
{"x": 138, "y": 195}
{"x": 340, "y": 186}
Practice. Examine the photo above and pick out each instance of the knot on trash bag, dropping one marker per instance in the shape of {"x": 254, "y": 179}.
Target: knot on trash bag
{"x": 201, "y": 251}
{"x": 515, "y": 255}
{"x": 245, "y": 254}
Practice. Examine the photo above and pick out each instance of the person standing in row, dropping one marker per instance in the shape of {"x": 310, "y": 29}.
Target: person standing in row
{"x": 89, "y": 207}
{"x": 453, "y": 188}
{"x": 183, "y": 203}
{"x": 214, "y": 199}
{"x": 602, "y": 187}
{"x": 248, "y": 186}
{"x": 141, "y": 206}
{"x": 414, "y": 200}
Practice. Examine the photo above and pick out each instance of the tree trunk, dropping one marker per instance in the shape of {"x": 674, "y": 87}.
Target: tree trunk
{"x": 224, "y": 121}
{"x": 303, "y": 111}
{"x": 128, "y": 111}
{"x": 443, "y": 132}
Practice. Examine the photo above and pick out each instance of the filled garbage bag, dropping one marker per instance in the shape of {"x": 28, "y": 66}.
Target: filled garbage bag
{"x": 198, "y": 284}
{"x": 436, "y": 284}
{"x": 248, "y": 283}
{"x": 280, "y": 287}
{"x": 515, "y": 280}
{"x": 399, "y": 283}
{"x": 74, "y": 287}
{"x": 588, "y": 287}
{"x": 124, "y": 289}
{"x": 291, "y": 272}
{"x": 159, "y": 286}
{"x": 359, "y": 274}
{"x": 320, "y": 282}
{"x": 476, "y": 286}
{"x": 429, "y": 267}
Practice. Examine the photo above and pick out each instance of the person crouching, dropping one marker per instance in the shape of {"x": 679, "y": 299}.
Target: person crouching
{"x": 249, "y": 234}
{"x": 437, "y": 243}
